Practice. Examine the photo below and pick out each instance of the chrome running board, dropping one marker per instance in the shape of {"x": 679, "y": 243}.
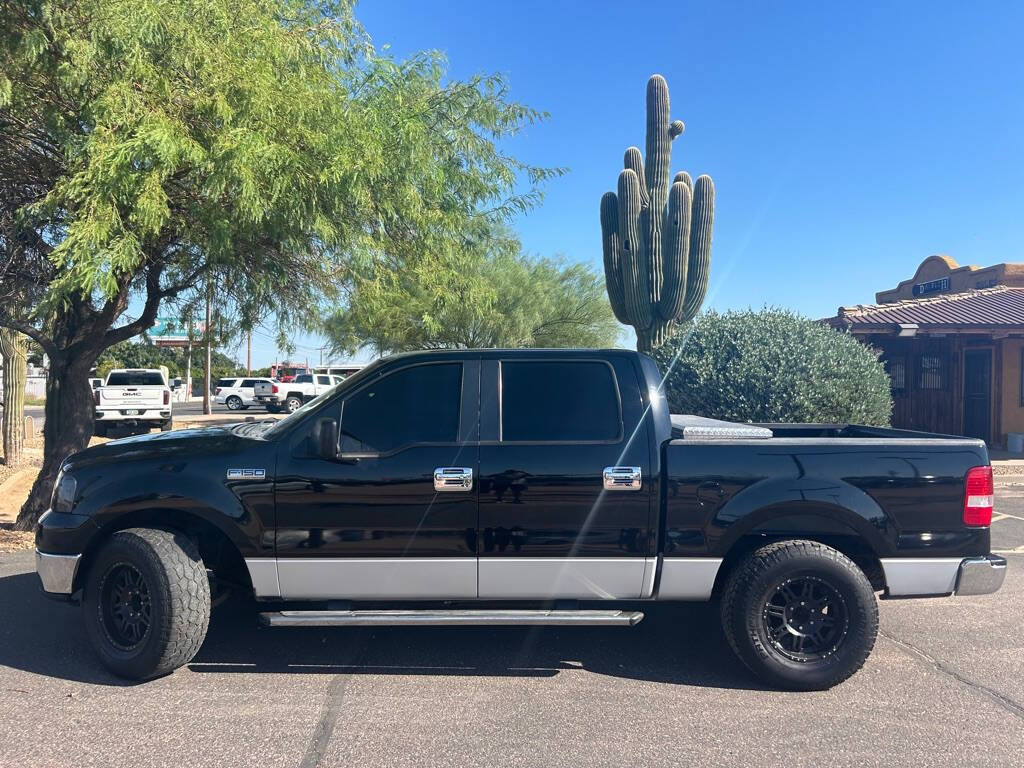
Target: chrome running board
{"x": 430, "y": 618}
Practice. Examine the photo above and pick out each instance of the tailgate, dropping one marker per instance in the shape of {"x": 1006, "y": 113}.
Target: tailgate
{"x": 131, "y": 397}
{"x": 264, "y": 388}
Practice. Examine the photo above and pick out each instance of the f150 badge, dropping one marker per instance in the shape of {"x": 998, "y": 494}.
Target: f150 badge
{"x": 247, "y": 473}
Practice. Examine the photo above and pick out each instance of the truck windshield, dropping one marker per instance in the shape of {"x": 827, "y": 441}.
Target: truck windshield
{"x": 135, "y": 379}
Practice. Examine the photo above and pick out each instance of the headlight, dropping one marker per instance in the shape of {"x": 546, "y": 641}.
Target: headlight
{"x": 64, "y": 493}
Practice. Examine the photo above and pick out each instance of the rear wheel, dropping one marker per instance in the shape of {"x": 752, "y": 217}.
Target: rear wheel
{"x": 100, "y": 430}
{"x": 800, "y": 615}
{"x": 146, "y": 602}
{"x": 273, "y": 409}
{"x": 168, "y": 425}
{"x": 234, "y": 403}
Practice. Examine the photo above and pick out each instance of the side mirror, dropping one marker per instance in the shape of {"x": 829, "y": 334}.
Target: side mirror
{"x": 327, "y": 439}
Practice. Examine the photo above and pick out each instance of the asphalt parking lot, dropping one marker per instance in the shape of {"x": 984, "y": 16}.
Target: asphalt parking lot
{"x": 943, "y": 687}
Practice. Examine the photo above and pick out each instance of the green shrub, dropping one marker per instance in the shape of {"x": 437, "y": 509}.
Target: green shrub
{"x": 773, "y": 365}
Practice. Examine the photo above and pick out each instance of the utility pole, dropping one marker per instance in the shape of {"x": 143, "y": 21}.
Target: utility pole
{"x": 207, "y": 406}
{"x": 188, "y": 361}
{"x": 248, "y": 353}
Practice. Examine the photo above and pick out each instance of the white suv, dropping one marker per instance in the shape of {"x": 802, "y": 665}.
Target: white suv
{"x": 236, "y": 394}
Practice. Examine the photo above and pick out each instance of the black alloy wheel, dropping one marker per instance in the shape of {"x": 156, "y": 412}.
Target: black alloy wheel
{"x": 805, "y": 619}
{"x": 126, "y": 606}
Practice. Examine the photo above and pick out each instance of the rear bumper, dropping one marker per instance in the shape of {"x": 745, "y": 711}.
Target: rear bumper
{"x": 153, "y": 415}
{"x": 57, "y": 572}
{"x": 935, "y": 576}
{"x": 981, "y": 575}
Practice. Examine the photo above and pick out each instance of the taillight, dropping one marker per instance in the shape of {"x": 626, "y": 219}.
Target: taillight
{"x": 979, "y": 497}
{"x": 96, "y": 396}
{"x": 216, "y": 391}
{"x": 167, "y": 397}
{"x": 273, "y": 388}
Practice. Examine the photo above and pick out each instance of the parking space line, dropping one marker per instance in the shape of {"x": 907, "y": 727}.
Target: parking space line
{"x": 1001, "y": 515}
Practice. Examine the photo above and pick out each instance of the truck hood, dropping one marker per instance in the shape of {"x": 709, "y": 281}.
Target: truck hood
{"x": 184, "y": 443}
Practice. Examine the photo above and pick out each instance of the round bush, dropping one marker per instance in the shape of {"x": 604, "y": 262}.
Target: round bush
{"x": 773, "y": 365}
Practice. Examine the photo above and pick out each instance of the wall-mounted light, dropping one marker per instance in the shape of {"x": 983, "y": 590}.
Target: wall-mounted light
{"x": 906, "y": 329}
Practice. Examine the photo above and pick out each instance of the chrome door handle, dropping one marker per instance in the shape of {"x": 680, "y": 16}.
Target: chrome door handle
{"x": 622, "y": 478}
{"x": 453, "y": 479}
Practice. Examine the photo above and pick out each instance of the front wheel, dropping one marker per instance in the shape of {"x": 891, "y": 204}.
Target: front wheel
{"x": 800, "y": 615}
{"x": 146, "y": 602}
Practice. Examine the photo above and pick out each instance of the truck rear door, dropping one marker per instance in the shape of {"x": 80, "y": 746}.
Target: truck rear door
{"x": 549, "y": 527}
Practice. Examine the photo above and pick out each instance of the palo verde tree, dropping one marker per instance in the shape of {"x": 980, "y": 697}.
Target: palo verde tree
{"x": 484, "y": 293}
{"x": 656, "y": 236}
{"x": 149, "y": 149}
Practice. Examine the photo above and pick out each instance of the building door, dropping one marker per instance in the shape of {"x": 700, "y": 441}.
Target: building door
{"x": 978, "y": 393}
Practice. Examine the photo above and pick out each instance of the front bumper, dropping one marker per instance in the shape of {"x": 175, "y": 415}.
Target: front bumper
{"x": 57, "y": 572}
{"x": 981, "y": 575}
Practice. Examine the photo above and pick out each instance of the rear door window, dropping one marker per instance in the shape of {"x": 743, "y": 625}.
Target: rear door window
{"x": 572, "y": 401}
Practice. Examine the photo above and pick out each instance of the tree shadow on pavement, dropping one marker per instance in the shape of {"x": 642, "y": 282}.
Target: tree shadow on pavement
{"x": 674, "y": 644}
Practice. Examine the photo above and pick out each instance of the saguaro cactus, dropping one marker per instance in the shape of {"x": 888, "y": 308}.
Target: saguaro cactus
{"x": 14, "y": 348}
{"x": 657, "y": 238}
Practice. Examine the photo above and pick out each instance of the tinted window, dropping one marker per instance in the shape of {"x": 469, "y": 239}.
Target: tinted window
{"x": 323, "y": 379}
{"x": 414, "y": 405}
{"x": 559, "y": 401}
{"x": 248, "y": 383}
{"x": 225, "y": 383}
{"x": 304, "y": 379}
{"x": 135, "y": 379}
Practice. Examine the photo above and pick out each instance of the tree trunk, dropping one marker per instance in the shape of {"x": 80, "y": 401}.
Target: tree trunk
{"x": 66, "y": 430}
{"x": 14, "y": 348}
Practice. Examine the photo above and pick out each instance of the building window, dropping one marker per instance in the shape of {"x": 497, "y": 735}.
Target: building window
{"x": 897, "y": 368}
{"x": 931, "y": 372}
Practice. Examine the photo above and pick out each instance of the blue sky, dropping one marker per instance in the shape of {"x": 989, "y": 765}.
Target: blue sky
{"x": 847, "y": 141}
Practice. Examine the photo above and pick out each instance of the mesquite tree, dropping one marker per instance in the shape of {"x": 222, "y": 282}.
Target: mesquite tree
{"x": 14, "y": 348}
{"x": 148, "y": 148}
{"x": 657, "y": 238}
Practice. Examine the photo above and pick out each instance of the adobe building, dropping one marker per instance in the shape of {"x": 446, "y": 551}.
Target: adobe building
{"x": 951, "y": 339}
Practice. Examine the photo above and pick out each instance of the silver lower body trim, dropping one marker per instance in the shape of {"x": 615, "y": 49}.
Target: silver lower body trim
{"x": 359, "y": 578}
{"x": 497, "y": 618}
{"x": 57, "y": 572}
{"x": 569, "y": 578}
{"x": 918, "y": 576}
{"x": 263, "y": 574}
{"x": 688, "y": 578}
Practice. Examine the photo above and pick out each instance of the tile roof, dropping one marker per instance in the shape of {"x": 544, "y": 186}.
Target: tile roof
{"x": 997, "y": 306}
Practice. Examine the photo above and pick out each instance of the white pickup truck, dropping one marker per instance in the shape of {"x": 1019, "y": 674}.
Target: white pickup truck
{"x": 289, "y": 396}
{"x": 133, "y": 397}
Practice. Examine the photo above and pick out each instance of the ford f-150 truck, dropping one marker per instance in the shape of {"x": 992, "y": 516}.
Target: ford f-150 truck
{"x": 133, "y": 397}
{"x": 523, "y": 487}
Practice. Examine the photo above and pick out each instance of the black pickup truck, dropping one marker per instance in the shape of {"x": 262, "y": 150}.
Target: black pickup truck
{"x": 521, "y": 487}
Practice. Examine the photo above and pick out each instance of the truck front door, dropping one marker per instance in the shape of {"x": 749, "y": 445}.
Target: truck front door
{"x": 395, "y": 515}
{"x": 549, "y": 528}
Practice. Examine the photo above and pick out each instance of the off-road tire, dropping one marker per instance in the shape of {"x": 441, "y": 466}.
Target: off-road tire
{"x": 753, "y": 583}
{"x": 179, "y": 591}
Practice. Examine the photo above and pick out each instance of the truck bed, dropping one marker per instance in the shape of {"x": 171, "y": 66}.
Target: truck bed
{"x": 900, "y": 490}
